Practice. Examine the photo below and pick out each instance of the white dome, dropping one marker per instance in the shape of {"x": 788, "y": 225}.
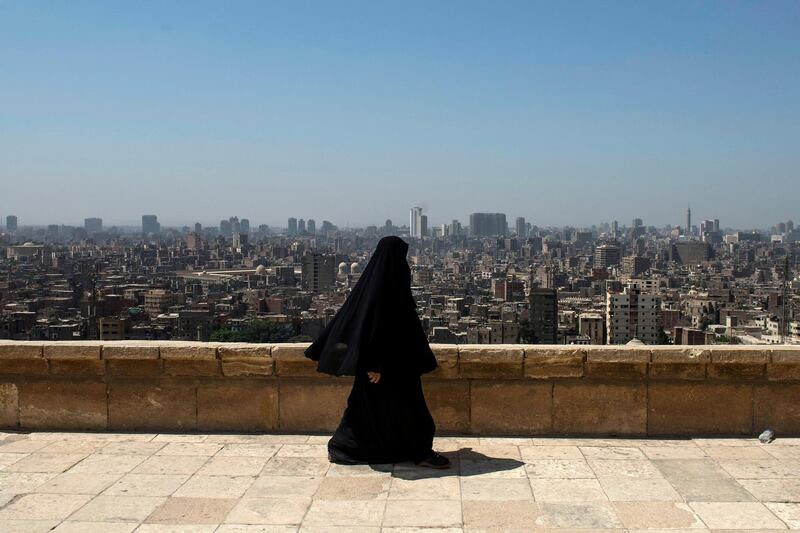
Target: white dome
{"x": 355, "y": 267}
{"x": 261, "y": 270}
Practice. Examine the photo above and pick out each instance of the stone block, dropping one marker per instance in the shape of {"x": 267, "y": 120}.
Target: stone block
{"x": 9, "y": 405}
{"x": 246, "y": 359}
{"x": 739, "y": 355}
{"x": 72, "y": 350}
{"x": 312, "y": 405}
{"x": 236, "y": 350}
{"x": 679, "y": 371}
{"x": 700, "y": 408}
{"x": 783, "y": 372}
{"x": 133, "y": 368}
{"x": 736, "y": 371}
{"x": 785, "y": 355}
{"x": 490, "y": 362}
{"x": 553, "y": 362}
{"x": 599, "y": 409}
{"x": 247, "y": 366}
{"x": 77, "y": 367}
{"x": 784, "y": 364}
{"x": 526, "y": 407}
{"x": 63, "y": 405}
{"x": 615, "y": 371}
{"x": 447, "y": 358}
{"x": 448, "y": 402}
{"x": 237, "y": 406}
{"x": 24, "y": 366}
{"x": 192, "y": 367}
{"x": 617, "y": 354}
{"x": 290, "y": 360}
{"x": 188, "y": 351}
{"x": 777, "y": 407}
{"x": 130, "y": 350}
{"x": 152, "y": 407}
{"x": 680, "y": 355}
{"x": 20, "y": 350}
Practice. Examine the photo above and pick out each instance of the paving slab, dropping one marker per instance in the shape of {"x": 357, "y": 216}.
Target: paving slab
{"x": 85, "y": 481}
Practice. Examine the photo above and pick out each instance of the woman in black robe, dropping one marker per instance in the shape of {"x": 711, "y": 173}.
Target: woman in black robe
{"x": 377, "y": 337}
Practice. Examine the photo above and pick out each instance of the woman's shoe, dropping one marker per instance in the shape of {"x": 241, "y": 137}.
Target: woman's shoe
{"x": 435, "y": 460}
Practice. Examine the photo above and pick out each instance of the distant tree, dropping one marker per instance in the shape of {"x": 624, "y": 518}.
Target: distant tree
{"x": 254, "y": 331}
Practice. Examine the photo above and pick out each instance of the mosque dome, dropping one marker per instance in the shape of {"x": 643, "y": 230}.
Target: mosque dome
{"x": 261, "y": 270}
{"x": 355, "y": 268}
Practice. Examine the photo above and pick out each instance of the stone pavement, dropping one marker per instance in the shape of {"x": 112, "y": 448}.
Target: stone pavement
{"x": 103, "y": 482}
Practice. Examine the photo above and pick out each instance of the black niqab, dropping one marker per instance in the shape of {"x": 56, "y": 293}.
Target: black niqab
{"x": 377, "y": 328}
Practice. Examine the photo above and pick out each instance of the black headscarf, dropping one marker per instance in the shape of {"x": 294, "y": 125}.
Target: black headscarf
{"x": 377, "y": 328}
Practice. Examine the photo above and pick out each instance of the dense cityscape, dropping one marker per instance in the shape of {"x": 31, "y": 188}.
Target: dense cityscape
{"x": 488, "y": 282}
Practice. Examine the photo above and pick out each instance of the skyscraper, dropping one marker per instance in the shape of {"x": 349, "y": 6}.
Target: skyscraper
{"x": 415, "y": 223}
{"x": 292, "y": 226}
{"x": 11, "y": 223}
{"x": 487, "y": 224}
{"x": 311, "y": 226}
{"x": 688, "y": 231}
{"x": 544, "y": 315}
{"x": 150, "y": 225}
{"x": 301, "y": 226}
{"x": 606, "y": 255}
{"x": 244, "y": 226}
{"x": 521, "y": 228}
{"x": 93, "y": 225}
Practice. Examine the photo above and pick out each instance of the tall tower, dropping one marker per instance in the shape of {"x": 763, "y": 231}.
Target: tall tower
{"x": 688, "y": 221}
{"x": 415, "y": 223}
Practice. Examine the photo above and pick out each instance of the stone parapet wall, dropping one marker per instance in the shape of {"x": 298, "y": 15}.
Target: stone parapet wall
{"x": 477, "y": 389}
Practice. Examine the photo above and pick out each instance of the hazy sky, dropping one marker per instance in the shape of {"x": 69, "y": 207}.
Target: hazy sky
{"x": 562, "y": 112}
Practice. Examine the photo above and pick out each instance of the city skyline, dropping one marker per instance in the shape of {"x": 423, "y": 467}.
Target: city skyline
{"x": 565, "y": 114}
{"x": 397, "y": 222}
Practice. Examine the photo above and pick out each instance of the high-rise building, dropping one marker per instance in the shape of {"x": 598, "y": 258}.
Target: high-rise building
{"x": 544, "y": 315}
{"x": 688, "y": 231}
{"x": 592, "y": 325}
{"x": 455, "y": 228}
{"x": 311, "y": 226}
{"x": 632, "y": 314}
{"x": 423, "y": 226}
{"x": 150, "y": 225}
{"x": 487, "y": 224}
{"x": 606, "y": 255}
{"x": 522, "y": 229}
{"x": 292, "y": 226}
{"x": 634, "y": 265}
{"x": 415, "y": 222}
{"x": 319, "y": 272}
{"x": 789, "y": 226}
{"x": 11, "y": 223}
{"x": 225, "y": 228}
{"x": 301, "y": 226}
{"x": 93, "y": 225}
{"x": 615, "y": 229}
{"x": 690, "y": 252}
{"x": 198, "y": 228}
{"x": 244, "y": 226}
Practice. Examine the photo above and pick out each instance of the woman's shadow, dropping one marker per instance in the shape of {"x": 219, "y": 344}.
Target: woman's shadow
{"x": 465, "y": 462}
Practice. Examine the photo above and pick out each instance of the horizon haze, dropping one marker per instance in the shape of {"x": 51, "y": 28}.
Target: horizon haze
{"x": 572, "y": 113}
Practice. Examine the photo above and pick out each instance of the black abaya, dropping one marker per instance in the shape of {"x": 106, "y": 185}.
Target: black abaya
{"x": 378, "y": 330}
{"x": 385, "y": 422}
